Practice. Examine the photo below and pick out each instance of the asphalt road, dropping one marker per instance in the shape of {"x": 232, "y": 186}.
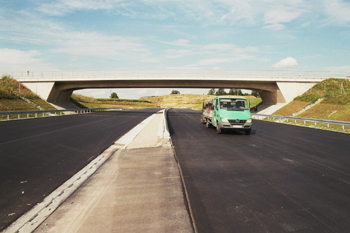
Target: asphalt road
{"x": 281, "y": 178}
{"x": 38, "y": 155}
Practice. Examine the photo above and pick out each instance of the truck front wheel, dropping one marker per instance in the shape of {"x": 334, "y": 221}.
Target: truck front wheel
{"x": 207, "y": 124}
{"x": 218, "y": 130}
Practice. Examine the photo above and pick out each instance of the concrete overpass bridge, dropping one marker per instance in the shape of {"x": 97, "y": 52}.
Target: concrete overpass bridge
{"x": 274, "y": 86}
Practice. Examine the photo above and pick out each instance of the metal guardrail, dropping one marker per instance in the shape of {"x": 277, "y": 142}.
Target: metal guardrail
{"x": 304, "y": 120}
{"x": 59, "y": 75}
{"x": 35, "y": 114}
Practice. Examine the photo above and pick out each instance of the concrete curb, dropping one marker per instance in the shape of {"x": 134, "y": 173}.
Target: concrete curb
{"x": 163, "y": 131}
{"x": 33, "y": 218}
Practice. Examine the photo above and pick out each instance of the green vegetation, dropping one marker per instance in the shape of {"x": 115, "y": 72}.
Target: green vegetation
{"x": 335, "y": 105}
{"x": 11, "y": 91}
{"x": 194, "y": 101}
{"x": 114, "y": 95}
{"x": 334, "y": 91}
{"x": 122, "y": 100}
{"x": 89, "y": 102}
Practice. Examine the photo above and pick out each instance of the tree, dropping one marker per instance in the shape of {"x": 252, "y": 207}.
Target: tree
{"x": 174, "y": 92}
{"x": 232, "y": 91}
{"x": 211, "y": 91}
{"x": 220, "y": 91}
{"x": 255, "y": 93}
{"x": 114, "y": 96}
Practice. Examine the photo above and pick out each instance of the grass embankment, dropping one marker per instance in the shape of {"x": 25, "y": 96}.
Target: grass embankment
{"x": 334, "y": 106}
{"x": 11, "y": 89}
{"x": 89, "y": 102}
{"x": 173, "y": 100}
{"x": 194, "y": 101}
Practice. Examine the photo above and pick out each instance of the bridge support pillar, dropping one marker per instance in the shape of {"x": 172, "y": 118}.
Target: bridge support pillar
{"x": 290, "y": 90}
{"x": 42, "y": 89}
{"x": 49, "y": 91}
{"x": 272, "y": 98}
{"x": 285, "y": 92}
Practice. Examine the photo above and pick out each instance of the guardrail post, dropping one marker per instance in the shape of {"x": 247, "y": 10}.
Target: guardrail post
{"x": 19, "y": 116}
{"x": 36, "y": 115}
{"x": 315, "y": 124}
{"x": 8, "y": 117}
{"x": 27, "y": 115}
{"x": 343, "y": 128}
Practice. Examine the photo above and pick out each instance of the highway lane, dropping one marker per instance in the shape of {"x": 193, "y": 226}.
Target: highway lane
{"x": 38, "y": 155}
{"x": 281, "y": 178}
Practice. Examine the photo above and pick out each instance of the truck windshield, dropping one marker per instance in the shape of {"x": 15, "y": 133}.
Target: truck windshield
{"x": 230, "y": 104}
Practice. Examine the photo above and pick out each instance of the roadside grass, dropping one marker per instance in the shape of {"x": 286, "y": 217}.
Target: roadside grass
{"x": 11, "y": 89}
{"x": 292, "y": 107}
{"x": 328, "y": 111}
{"x": 90, "y": 102}
{"x": 334, "y": 91}
{"x": 8, "y": 105}
{"x": 335, "y": 104}
{"x": 193, "y": 101}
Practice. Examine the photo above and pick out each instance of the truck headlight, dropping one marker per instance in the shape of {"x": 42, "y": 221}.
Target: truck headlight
{"x": 225, "y": 120}
{"x": 249, "y": 121}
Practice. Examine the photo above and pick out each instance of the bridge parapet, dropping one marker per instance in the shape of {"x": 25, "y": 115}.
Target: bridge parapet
{"x": 178, "y": 73}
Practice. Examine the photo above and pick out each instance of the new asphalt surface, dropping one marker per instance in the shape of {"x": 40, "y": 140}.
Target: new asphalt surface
{"x": 38, "y": 155}
{"x": 281, "y": 178}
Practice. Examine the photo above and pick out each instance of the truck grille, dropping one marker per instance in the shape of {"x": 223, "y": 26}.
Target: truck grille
{"x": 237, "y": 122}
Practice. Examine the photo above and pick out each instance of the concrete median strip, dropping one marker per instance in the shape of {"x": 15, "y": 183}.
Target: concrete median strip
{"x": 32, "y": 219}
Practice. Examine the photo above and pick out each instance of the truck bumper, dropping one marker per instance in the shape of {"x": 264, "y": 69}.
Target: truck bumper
{"x": 228, "y": 126}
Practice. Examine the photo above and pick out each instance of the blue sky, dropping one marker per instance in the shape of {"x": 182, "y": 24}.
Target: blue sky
{"x": 76, "y": 35}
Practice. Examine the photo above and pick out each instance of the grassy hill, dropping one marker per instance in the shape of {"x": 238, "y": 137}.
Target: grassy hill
{"x": 90, "y": 102}
{"x": 334, "y": 106}
{"x": 194, "y": 101}
{"x": 10, "y": 92}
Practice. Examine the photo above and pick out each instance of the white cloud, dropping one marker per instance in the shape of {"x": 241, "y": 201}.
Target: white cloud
{"x": 213, "y": 54}
{"x": 286, "y": 63}
{"x": 337, "y": 11}
{"x": 274, "y": 14}
{"x": 100, "y": 45}
{"x": 275, "y": 18}
{"x": 32, "y": 29}
{"x": 62, "y": 7}
{"x": 12, "y": 60}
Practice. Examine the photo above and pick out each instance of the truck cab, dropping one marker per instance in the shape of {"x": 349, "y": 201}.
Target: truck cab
{"x": 231, "y": 113}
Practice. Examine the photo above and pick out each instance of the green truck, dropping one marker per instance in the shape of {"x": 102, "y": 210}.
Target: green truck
{"x": 228, "y": 113}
